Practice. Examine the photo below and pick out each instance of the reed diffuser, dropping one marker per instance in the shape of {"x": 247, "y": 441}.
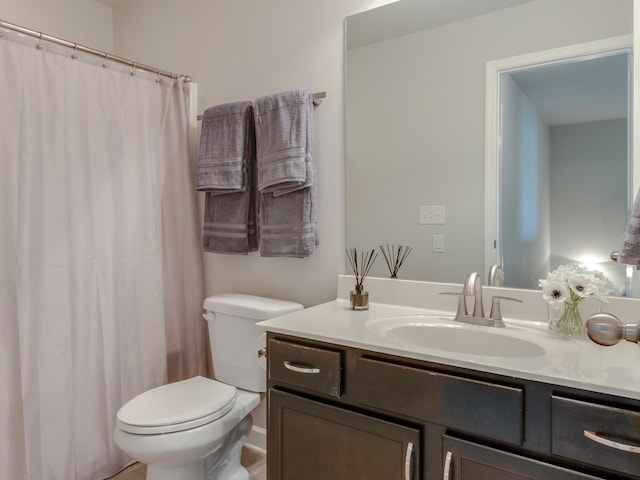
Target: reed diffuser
{"x": 361, "y": 265}
{"x": 395, "y": 255}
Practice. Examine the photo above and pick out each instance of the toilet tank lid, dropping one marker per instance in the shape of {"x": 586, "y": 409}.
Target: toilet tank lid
{"x": 249, "y": 306}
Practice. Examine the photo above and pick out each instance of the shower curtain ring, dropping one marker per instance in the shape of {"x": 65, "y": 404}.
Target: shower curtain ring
{"x": 39, "y": 46}
{"x": 158, "y": 79}
{"x": 133, "y": 72}
{"x": 106, "y": 63}
{"x": 74, "y": 55}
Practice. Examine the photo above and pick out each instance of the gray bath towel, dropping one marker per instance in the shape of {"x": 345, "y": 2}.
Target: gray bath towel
{"x": 223, "y": 144}
{"x": 284, "y": 138}
{"x": 231, "y": 198}
{"x": 286, "y": 174}
{"x": 629, "y": 252}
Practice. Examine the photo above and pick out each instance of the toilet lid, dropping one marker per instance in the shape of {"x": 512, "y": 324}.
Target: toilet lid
{"x": 177, "y": 406}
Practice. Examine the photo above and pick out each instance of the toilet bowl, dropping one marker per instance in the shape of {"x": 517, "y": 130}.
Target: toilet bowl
{"x": 181, "y": 430}
{"x": 194, "y": 429}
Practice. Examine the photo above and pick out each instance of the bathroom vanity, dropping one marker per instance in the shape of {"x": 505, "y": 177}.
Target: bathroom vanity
{"x": 349, "y": 402}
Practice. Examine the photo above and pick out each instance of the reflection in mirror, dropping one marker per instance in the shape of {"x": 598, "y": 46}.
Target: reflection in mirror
{"x": 415, "y": 121}
{"x": 561, "y": 160}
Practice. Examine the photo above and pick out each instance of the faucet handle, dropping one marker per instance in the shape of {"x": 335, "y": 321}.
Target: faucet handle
{"x": 462, "y": 304}
{"x": 496, "y": 312}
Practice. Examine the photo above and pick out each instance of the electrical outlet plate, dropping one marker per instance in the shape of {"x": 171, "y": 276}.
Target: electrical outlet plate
{"x": 431, "y": 215}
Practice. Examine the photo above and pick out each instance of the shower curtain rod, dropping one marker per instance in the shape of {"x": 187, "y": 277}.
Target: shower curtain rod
{"x": 77, "y": 47}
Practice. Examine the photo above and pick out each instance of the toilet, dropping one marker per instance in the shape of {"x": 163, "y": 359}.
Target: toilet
{"x": 194, "y": 429}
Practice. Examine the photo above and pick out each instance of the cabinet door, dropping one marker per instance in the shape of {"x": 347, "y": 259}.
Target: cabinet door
{"x": 313, "y": 441}
{"x": 469, "y": 461}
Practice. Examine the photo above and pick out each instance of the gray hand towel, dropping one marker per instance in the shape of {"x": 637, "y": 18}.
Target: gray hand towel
{"x": 223, "y": 145}
{"x": 284, "y": 136}
{"x": 230, "y": 202}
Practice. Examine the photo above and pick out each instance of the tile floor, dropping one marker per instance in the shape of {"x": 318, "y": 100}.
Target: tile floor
{"x": 255, "y": 463}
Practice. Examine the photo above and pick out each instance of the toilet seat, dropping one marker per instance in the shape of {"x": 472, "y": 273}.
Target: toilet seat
{"x": 177, "y": 406}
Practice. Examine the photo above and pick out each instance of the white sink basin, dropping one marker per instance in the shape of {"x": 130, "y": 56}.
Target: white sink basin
{"x": 443, "y": 333}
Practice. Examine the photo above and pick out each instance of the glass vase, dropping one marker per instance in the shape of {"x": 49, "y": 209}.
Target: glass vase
{"x": 566, "y": 318}
{"x": 359, "y": 299}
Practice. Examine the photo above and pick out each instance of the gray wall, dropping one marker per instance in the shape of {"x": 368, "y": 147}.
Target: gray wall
{"x": 588, "y": 165}
{"x": 525, "y": 209}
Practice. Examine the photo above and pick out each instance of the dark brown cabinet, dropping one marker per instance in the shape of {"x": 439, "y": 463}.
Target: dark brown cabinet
{"x": 320, "y": 442}
{"x": 342, "y": 413}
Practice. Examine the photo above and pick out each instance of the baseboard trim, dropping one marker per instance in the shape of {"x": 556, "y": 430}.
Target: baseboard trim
{"x": 256, "y": 441}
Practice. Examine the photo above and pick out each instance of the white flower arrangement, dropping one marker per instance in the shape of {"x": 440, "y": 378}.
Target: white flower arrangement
{"x": 573, "y": 283}
{"x": 565, "y": 288}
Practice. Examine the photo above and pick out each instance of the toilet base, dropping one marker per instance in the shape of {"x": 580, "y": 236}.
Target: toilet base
{"x": 223, "y": 464}
{"x": 194, "y": 471}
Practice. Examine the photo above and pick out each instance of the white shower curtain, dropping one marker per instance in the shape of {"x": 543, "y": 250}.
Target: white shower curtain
{"x": 100, "y": 272}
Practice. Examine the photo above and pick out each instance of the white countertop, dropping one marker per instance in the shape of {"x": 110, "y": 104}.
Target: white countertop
{"x": 570, "y": 362}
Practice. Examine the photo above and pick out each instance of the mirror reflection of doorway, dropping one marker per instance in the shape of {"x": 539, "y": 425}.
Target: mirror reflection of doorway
{"x": 564, "y": 160}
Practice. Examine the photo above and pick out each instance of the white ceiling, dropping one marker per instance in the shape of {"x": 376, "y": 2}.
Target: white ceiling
{"x": 580, "y": 91}
{"x": 408, "y": 16}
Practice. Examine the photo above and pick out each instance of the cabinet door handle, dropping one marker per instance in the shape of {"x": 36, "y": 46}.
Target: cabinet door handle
{"x": 447, "y": 466}
{"x": 611, "y": 443}
{"x": 408, "y": 456}
{"x": 300, "y": 368}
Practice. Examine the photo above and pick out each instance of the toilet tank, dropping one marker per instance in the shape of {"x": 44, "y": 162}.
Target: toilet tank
{"x": 235, "y": 339}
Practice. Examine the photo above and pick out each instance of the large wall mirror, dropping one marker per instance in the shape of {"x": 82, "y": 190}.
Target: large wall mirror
{"x": 416, "y": 121}
{"x": 558, "y": 160}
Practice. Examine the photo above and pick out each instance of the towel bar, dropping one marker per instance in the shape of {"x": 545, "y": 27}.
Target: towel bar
{"x": 317, "y": 100}
{"x": 317, "y": 97}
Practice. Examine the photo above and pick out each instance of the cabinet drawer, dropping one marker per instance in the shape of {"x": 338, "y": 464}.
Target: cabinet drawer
{"x": 309, "y": 368}
{"x": 486, "y": 409}
{"x": 616, "y": 444}
{"x": 464, "y": 460}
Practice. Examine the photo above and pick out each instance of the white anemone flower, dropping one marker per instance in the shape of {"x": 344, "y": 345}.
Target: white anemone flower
{"x": 555, "y": 291}
{"x": 582, "y": 285}
{"x": 572, "y": 283}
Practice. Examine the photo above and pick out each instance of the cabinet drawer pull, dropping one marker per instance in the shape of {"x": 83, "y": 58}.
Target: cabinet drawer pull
{"x": 447, "y": 467}
{"x": 407, "y": 461}
{"x": 611, "y": 443}
{"x": 300, "y": 368}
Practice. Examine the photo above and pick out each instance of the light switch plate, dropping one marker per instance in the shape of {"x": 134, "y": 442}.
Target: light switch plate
{"x": 438, "y": 243}
{"x": 431, "y": 215}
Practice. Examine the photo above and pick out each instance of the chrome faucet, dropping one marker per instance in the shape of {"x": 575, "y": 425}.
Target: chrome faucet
{"x": 473, "y": 286}
{"x": 496, "y": 273}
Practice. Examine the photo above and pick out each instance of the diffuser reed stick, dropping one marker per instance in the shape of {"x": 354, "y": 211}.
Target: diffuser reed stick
{"x": 361, "y": 264}
{"x": 395, "y": 255}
